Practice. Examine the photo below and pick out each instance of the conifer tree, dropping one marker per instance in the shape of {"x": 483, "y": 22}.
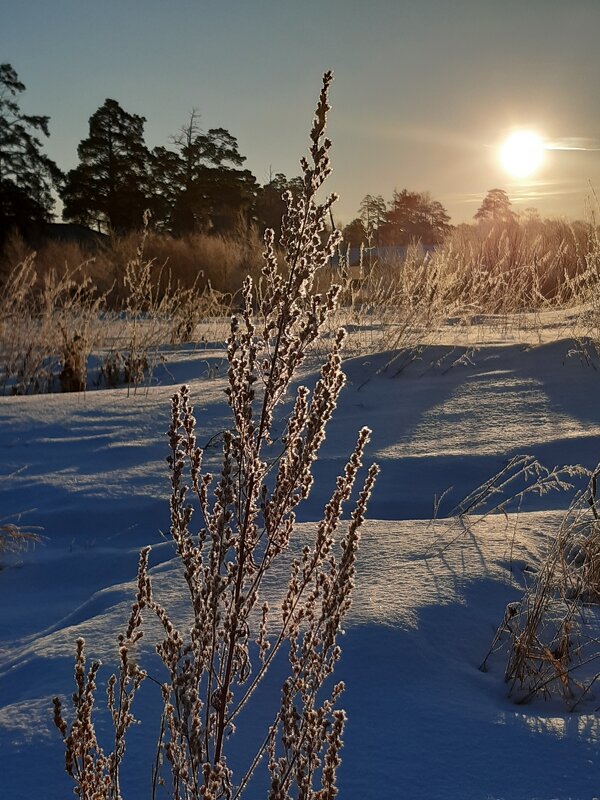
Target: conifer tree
{"x": 496, "y": 207}
{"x": 199, "y": 184}
{"x": 108, "y": 190}
{"x": 414, "y": 216}
{"x": 27, "y": 175}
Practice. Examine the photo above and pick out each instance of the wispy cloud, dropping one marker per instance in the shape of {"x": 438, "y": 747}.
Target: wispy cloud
{"x": 525, "y": 195}
{"x": 530, "y": 192}
{"x": 574, "y": 143}
{"x": 424, "y": 134}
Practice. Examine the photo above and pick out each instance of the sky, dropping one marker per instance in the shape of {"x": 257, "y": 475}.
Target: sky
{"x": 425, "y": 91}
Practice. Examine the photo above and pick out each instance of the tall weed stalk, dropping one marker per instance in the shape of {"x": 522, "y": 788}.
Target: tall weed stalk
{"x": 247, "y": 523}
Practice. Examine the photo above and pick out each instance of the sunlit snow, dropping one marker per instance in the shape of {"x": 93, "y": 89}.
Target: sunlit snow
{"x": 424, "y": 721}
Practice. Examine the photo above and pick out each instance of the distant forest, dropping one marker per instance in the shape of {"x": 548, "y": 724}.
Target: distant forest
{"x": 196, "y": 184}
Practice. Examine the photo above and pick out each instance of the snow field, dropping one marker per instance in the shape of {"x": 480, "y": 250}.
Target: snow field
{"x": 424, "y": 721}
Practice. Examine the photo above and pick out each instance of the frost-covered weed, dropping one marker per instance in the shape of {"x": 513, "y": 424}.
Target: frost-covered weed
{"x": 246, "y": 523}
{"x": 554, "y": 631}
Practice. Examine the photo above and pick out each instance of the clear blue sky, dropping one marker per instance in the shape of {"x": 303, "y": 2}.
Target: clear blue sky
{"x": 424, "y": 89}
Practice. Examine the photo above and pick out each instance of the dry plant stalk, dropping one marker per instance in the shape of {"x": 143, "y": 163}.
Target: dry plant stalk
{"x": 47, "y": 331}
{"x": 16, "y": 538}
{"x": 394, "y": 306}
{"x": 155, "y": 311}
{"x": 494, "y": 275}
{"x": 50, "y": 325}
{"x": 147, "y": 311}
{"x": 552, "y": 633}
{"x": 247, "y": 523}
{"x": 550, "y": 637}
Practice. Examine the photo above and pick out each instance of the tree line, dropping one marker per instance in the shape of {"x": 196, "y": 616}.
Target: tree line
{"x": 416, "y": 216}
{"x": 197, "y": 184}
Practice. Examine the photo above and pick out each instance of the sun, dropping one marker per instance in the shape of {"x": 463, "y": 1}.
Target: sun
{"x": 522, "y": 153}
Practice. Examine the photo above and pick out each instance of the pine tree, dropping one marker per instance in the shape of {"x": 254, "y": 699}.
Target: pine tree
{"x": 109, "y": 189}
{"x": 270, "y": 205}
{"x": 198, "y": 183}
{"x": 495, "y": 207}
{"x": 414, "y": 216}
{"x": 167, "y": 179}
{"x": 372, "y": 213}
{"x": 355, "y": 234}
{"x": 27, "y": 175}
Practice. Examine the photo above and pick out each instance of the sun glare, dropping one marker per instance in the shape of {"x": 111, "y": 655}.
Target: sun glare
{"x": 522, "y": 153}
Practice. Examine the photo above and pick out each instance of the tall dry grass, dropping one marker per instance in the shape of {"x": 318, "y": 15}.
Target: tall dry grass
{"x": 53, "y": 319}
{"x": 195, "y": 260}
{"x": 496, "y": 275}
{"x": 16, "y": 539}
{"x": 500, "y": 268}
{"x": 550, "y": 638}
{"x": 47, "y": 330}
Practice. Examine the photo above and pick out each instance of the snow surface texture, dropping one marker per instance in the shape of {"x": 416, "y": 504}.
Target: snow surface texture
{"x": 424, "y": 722}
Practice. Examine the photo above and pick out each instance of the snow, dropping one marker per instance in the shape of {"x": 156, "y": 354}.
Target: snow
{"x": 424, "y": 721}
